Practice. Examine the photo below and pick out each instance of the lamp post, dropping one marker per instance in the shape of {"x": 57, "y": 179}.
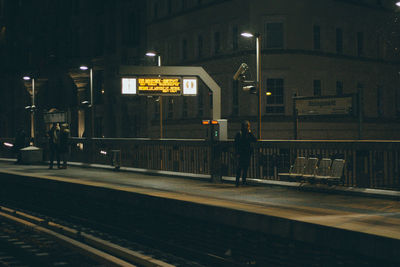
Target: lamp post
{"x": 91, "y": 104}
{"x": 258, "y": 81}
{"x": 153, "y": 54}
{"x": 32, "y": 107}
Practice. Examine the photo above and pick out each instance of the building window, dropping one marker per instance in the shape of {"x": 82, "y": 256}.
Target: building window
{"x": 379, "y": 46}
{"x": 111, "y": 38}
{"x": 275, "y": 100}
{"x": 379, "y": 100}
{"x": 200, "y": 102}
{"x": 317, "y": 37}
{"x": 98, "y": 87}
{"x": 76, "y": 42}
{"x": 339, "y": 88}
{"x": 100, "y": 38}
{"x": 360, "y": 91}
{"x": 170, "y": 107}
{"x": 200, "y": 46}
{"x": 274, "y": 35}
{"x": 397, "y": 95}
{"x": 317, "y": 87}
{"x": 155, "y": 15}
{"x": 360, "y": 43}
{"x": 235, "y": 98}
{"x": 217, "y": 42}
{"x": 156, "y": 110}
{"x": 235, "y": 37}
{"x": 184, "y": 49}
{"x": 131, "y": 29}
{"x": 339, "y": 41}
{"x": 169, "y": 7}
{"x": 184, "y": 108}
{"x": 1, "y": 8}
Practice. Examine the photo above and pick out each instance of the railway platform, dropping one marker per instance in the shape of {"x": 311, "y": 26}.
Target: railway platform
{"x": 362, "y": 221}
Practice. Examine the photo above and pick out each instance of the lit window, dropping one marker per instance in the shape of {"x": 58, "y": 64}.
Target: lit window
{"x": 275, "y": 101}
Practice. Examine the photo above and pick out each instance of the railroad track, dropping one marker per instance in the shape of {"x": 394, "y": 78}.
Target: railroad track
{"x": 181, "y": 249}
{"x": 28, "y": 240}
{"x": 169, "y": 238}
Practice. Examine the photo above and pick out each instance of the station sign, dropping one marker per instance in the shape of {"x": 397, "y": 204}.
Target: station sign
{"x": 331, "y": 105}
{"x": 159, "y": 86}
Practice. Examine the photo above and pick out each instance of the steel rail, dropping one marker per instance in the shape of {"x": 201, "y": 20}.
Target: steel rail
{"x": 96, "y": 248}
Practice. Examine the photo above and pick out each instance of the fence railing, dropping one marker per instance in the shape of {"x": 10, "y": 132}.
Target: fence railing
{"x": 369, "y": 164}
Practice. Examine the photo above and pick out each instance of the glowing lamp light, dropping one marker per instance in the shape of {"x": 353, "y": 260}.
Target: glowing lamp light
{"x": 8, "y": 144}
{"x": 398, "y": 3}
{"x": 26, "y": 78}
{"x": 84, "y": 67}
{"x": 151, "y": 54}
{"x": 247, "y": 34}
{"x": 103, "y": 152}
{"x": 268, "y": 93}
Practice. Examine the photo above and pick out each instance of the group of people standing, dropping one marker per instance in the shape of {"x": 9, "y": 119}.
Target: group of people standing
{"x": 59, "y": 144}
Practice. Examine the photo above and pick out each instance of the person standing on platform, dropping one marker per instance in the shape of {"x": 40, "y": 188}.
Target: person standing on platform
{"x": 63, "y": 147}
{"x": 53, "y": 135}
{"x": 20, "y": 142}
{"x": 243, "y": 151}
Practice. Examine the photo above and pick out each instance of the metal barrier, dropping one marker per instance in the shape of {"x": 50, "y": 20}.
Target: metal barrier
{"x": 370, "y": 164}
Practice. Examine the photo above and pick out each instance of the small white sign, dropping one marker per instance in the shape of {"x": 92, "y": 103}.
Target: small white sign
{"x": 189, "y": 86}
{"x": 53, "y": 117}
{"x": 129, "y": 86}
{"x": 325, "y": 106}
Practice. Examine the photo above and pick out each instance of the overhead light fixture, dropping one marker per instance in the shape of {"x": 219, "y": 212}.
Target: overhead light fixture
{"x": 247, "y": 34}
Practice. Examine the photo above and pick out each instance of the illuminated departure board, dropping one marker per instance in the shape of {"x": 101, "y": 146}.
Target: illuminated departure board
{"x": 159, "y": 86}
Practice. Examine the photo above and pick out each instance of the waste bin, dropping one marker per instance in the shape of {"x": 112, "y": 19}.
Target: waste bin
{"x": 116, "y": 159}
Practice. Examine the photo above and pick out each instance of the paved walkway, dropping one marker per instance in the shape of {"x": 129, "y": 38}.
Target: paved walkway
{"x": 376, "y": 216}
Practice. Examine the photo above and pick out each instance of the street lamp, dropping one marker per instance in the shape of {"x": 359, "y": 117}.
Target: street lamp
{"x": 32, "y": 107}
{"x": 398, "y": 3}
{"x": 91, "y": 104}
{"x": 258, "y": 81}
{"x": 153, "y": 54}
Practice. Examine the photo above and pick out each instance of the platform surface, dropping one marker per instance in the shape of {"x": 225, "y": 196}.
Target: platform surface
{"x": 371, "y": 215}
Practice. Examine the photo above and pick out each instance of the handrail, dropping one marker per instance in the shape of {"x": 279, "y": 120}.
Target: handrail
{"x": 369, "y": 163}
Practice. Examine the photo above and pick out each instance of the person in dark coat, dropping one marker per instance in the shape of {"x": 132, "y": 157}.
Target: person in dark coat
{"x": 20, "y": 142}
{"x": 243, "y": 140}
{"x": 63, "y": 147}
{"x": 53, "y": 135}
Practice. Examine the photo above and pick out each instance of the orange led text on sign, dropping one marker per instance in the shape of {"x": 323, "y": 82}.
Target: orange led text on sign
{"x": 159, "y": 85}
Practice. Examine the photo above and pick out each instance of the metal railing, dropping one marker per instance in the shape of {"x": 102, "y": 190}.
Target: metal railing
{"x": 369, "y": 164}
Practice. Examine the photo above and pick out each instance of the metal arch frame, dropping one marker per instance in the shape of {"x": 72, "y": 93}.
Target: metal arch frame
{"x": 129, "y": 71}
